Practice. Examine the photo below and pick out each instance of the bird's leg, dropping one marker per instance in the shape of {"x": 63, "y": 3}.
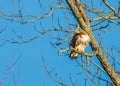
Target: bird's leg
{"x": 76, "y": 50}
{"x": 95, "y": 51}
{"x": 71, "y": 48}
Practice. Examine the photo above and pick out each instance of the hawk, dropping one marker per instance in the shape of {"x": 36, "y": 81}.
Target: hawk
{"x": 79, "y": 42}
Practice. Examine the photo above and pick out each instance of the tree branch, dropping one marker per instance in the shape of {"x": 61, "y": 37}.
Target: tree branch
{"x": 109, "y": 6}
{"x": 95, "y": 46}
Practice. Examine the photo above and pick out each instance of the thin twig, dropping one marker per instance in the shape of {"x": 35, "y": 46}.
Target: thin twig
{"x": 49, "y": 74}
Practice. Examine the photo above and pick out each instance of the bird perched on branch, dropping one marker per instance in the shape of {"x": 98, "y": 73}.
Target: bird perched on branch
{"x": 78, "y": 43}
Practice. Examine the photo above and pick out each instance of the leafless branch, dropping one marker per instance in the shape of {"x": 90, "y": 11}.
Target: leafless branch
{"x": 109, "y": 6}
{"x": 7, "y": 70}
{"x": 34, "y": 18}
{"x": 23, "y": 40}
{"x": 49, "y": 74}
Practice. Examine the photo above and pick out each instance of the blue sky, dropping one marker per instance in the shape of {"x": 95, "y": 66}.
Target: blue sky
{"x": 29, "y": 69}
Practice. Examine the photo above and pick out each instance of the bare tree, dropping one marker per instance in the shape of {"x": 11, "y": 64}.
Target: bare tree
{"x": 77, "y": 14}
{"x": 84, "y": 23}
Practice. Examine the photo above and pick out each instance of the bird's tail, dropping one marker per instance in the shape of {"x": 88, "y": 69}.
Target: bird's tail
{"x": 73, "y": 55}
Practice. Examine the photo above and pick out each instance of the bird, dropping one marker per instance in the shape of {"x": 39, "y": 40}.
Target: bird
{"x": 79, "y": 42}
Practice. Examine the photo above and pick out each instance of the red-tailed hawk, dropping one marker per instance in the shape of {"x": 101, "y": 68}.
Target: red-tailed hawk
{"x": 79, "y": 42}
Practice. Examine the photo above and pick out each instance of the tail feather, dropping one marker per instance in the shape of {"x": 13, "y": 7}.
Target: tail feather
{"x": 73, "y": 55}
